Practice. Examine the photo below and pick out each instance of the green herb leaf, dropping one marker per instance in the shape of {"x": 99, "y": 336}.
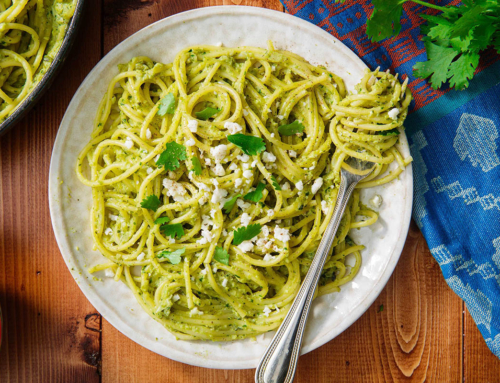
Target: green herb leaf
{"x": 246, "y": 233}
{"x": 291, "y": 129}
{"x": 206, "y": 113}
{"x": 391, "y": 132}
{"x": 167, "y": 105}
{"x": 196, "y": 165}
{"x": 228, "y": 205}
{"x": 173, "y": 256}
{"x": 221, "y": 255}
{"x": 385, "y": 19}
{"x": 256, "y": 195}
{"x": 162, "y": 220}
{"x": 275, "y": 183}
{"x": 174, "y": 230}
{"x": 171, "y": 155}
{"x": 438, "y": 62}
{"x": 462, "y": 70}
{"x": 250, "y": 145}
{"x": 151, "y": 202}
{"x": 381, "y": 308}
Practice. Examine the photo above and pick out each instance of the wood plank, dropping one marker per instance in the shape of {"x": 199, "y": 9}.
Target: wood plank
{"x": 52, "y": 331}
{"x": 480, "y": 364}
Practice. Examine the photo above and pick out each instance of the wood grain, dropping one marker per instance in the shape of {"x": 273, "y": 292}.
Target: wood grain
{"x": 53, "y": 333}
{"x": 47, "y": 338}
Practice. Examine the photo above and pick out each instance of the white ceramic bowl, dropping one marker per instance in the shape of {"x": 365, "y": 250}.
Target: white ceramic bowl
{"x": 70, "y": 201}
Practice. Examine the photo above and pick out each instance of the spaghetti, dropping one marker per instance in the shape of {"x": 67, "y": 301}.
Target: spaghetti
{"x": 213, "y": 179}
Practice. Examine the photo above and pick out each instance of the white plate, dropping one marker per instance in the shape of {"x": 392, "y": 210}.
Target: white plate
{"x": 70, "y": 201}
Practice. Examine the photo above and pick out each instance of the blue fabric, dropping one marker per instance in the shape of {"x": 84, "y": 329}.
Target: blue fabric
{"x": 455, "y": 144}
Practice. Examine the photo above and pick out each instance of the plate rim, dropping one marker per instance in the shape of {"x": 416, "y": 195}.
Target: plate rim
{"x": 107, "y": 312}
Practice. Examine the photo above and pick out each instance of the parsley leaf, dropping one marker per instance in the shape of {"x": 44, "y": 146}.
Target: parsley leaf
{"x": 391, "y": 132}
{"x": 250, "y": 145}
{"x": 246, "y": 233}
{"x": 171, "y": 155}
{"x": 196, "y": 165}
{"x": 291, "y": 129}
{"x": 151, "y": 202}
{"x": 167, "y": 105}
{"x": 162, "y": 220}
{"x": 206, "y": 113}
{"x": 173, "y": 256}
{"x": 221, "y": 255}
{"x": 256, "y": 195}
{"x": 228, "y": 205}
{"x": 174, "y": 230}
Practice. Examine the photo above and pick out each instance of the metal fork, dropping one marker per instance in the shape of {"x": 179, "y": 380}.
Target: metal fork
{"x": 279, "y": 362}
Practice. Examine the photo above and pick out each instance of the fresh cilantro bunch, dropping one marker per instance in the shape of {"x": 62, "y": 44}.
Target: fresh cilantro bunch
{"x": 453, "y": 39}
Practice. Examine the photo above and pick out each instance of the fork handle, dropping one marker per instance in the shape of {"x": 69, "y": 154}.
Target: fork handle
{"x": 279, "y": 363}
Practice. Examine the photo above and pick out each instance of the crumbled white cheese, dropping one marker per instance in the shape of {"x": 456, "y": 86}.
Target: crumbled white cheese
{"x": 268, "y": 157}
{"x": 195, "y": 311}
{"x": 267, "y": 311}
{"x": 149, "y": 170}
{"x": 215, "y": 182}
{"x": 281, "y": 234}
{"x": 299, "y": 185}
{"x": 176, "y": 297}
{"x": 376, "y": 201}
{"x": 157, "y": 158}
{"x": 224, "y": 282}
{"x": 280, "y": 116}
{"x": 324, "y": 207}
{"x": 172, "y": 175}
{"x": 219, "y": 152}
{"x": 292, "y": 153}
{"x": 268, "y": 257}
{"x": 233, "y": 167}
{"x": 218, "y": 195}
{"x": 108, "y": 231}
{"x": 212, "y": 213}
{"x": 141, "y": 256}
{"x": 219, "y": 170}
{"x": 214, "y": 269}
{"x": 270, "y": 212}
{"x": 202, "y": 186}
{"x": 245, "y": 219}
{"x": 393, "y": 113}
{"x": 242, "y": 204}
{"x": 190, "y": 142}
{"x": 148, "y": 134}
{"x": 202, "y": 241}
{"x": 285, "y": 186}
{"x": 247, "y": 174}
{"x": 193, "y": 125}
{"x": 219, "y": 44}
{"x": 273, "y": 68}
{"x": 243, "y": 157}
{"x": 245, "y": 112}
{"x": 246, "y": 246}
{"x": 129, "y": 144}
{"x": 265, "y": 231}
{"x": 254, "y": 163}
{"x": 224, "y": 233}
{"x": 113, "y": 217}
{"x": 233, "y": 127}
{"x": 316, "y": 185}
{"x": 109, "y": 273}
{"x": 208, "y": 161}
{"x": 174, "y": 190}
{"x": 238, "y": 182}
{"x": 203, "y": 271}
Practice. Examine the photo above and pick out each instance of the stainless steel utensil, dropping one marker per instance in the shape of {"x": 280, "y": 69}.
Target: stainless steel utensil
{"x": 279, "y": 362}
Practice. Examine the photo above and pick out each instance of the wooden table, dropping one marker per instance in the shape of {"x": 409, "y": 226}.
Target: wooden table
{"x": 55, "y": 335}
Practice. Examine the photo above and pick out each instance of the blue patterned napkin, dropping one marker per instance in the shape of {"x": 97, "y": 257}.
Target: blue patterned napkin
{"x": 454, "y": 141}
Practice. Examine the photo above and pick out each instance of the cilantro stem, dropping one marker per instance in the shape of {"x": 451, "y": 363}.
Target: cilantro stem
{"x": 429, "y": 5}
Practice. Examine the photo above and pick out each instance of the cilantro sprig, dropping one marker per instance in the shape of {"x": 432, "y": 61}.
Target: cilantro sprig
{"x": 246, "y": 233}
{"x": 206, "y": 113}
{"x": 221, "y": 255}
{"x": 151, "y": 202}
{"x": 196, "y": 165}
{"x": 291, "y": 129}
{"x": 275, "y": 183}
{"x": 167, "y": 105}
{"x": 250, "y": 145}
{"x": 171, "y": 156}
{"x": 173, "y": 230}
{"x": 256, "y": 195}
{"x": 453, "y": 39}
{"x": 228, "y": 205}
{"x": 173, "y": 256}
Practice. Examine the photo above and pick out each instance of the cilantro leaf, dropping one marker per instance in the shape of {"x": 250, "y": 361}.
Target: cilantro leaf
{"x": 196, "y": 165}
{"x": 161, "y": 220}
{"x": 171, "y": 155}
{"x": 256, "y": 195}
{"x": 228, "y": 205}
{"x": 173, "y": 256}
{"x": 151, "y": 202}
{"x": 391, "y": 132}
{"x": 174, "y": 230}
{"x": 462, "y": 70}
{"x": 221, "y": 255}
{"x": 246, "y": 233}
{"x": 385, "y": 19}
{"x": 250, "y": 145}
{"x": 167, "y": 105}
{"x": 291, "y": 129}
{"x": 380, "y": 308}
{"x": 275, "y": 183}
{"x": 438, "y": 61}
{"x": 206, "y": 113}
